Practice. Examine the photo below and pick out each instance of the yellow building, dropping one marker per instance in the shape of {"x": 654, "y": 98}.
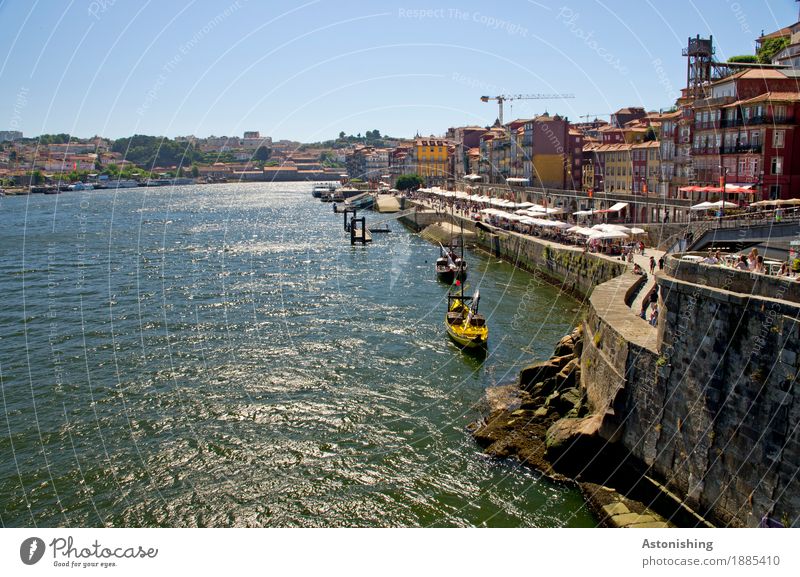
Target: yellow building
{"x": 433, "y": 160}
{"x": 587, "y": 177}
{"x": 548, "y": 170}
{"x": 616, "y": 159}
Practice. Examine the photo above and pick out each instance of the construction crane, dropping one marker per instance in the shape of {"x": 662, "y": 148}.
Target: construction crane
{"x": 597, "y": 116}
{"x": 503, "y": 97}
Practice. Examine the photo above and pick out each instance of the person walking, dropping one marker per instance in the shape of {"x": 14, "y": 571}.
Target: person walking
{"x": 654, "y": 315}
{"x": 652, "y": 265}
{"x": 661, "y": 263}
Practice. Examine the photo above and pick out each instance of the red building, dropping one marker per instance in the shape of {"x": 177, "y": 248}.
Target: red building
{"x": 745, "y": 133}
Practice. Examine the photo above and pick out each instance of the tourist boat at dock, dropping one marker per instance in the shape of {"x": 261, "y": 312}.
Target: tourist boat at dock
{"x": 450, "y": 267}
{"x": 122, "y": 183}
{"x": 464, "y": 325}
{"x": 341, "y": 194}
{"x": 319, "y": 190}
{"x": 361, "y": 202}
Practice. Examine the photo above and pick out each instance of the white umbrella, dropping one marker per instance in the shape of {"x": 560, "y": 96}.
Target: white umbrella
{"x": 635, "y": 230}
{"x": 703, "y": 206}
{"x": 724, "y": 204}
{"x": 609, "y": 234}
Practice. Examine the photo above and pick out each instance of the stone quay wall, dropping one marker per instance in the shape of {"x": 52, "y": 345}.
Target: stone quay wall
{"x": 575, "y": 271}
{"x": 709, "y": 404}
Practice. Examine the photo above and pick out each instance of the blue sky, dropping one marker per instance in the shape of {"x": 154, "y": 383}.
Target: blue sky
{"x": 306, "y": 70}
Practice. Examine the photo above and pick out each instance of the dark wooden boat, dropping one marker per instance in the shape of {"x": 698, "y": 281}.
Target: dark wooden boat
{"x": 450, "y": 267}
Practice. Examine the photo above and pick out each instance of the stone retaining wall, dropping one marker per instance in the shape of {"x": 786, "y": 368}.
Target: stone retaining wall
{"x": 734, "y": 280}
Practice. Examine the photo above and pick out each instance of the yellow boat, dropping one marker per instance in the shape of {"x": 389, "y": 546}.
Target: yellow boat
{"x": 464, "y": 325}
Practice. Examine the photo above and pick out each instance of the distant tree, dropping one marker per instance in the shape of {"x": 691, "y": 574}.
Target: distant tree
{"x": 341, "y": 135}
{"x": 409, "y": 182}
{"x": 376, "y": 134}
{"x": 358, "y": 136}
{"x": 770, "y": 48}
{"x": 262, "y": 153}
{"x": 195, "y": 171}
{"x": 12, "y": 156}
{"x": 37, "y": 177}
{"x": 744, "y": 58}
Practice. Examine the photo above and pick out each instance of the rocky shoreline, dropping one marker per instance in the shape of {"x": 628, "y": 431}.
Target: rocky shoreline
{"x": 545, "y": 422}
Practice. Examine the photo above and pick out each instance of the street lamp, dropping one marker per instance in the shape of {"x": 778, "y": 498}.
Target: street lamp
{"x": 723, "y": 174}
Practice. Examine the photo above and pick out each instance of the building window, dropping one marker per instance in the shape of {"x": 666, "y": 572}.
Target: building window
{"x": 777, "y": 165}
{"x": 779, "y": 113}
{"x": 755, "y": 138}
{"x": 774, "y": 191}
{"x": 777, "y": 138}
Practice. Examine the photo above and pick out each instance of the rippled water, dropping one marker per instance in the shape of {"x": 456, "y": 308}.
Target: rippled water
{"x": 220, "y": 356}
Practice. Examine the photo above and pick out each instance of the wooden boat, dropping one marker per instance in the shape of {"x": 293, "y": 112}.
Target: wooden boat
{"x": 464, "y": 325}
{"x": 450, "y": 267}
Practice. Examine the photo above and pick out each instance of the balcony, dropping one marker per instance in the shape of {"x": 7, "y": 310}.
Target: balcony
{"x": 741, "y": 149}
{"x": 756, "y": 121}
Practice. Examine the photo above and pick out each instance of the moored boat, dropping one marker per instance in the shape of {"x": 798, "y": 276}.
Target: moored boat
{"x": 450, "y": 266}
{"x": 362, "y": 201}
{"x": 465, "y": 326}
{"x": 322, "y": 189}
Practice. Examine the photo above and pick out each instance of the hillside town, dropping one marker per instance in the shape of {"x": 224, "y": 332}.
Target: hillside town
{"x": 731, "y": 136}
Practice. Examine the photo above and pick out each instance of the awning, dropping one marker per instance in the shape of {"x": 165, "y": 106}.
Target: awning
{"x": 739, "y": 189}
{"x": 618, "y": 207}
{"x": 516, "y": 180}
{"x": 473, "y": 177}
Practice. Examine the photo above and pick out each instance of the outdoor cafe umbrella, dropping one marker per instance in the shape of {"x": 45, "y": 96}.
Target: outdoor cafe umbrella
{"x": 704, "y": 206}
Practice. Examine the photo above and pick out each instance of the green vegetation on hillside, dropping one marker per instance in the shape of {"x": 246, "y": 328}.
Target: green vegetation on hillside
{"x": 150, "y": 151}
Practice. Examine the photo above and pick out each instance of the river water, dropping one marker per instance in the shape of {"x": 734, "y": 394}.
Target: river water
{"x": 221, "y": 356}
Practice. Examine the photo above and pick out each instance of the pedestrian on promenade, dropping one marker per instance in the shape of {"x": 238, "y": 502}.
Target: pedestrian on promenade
{"x": 654, "y": 315}
{"x": 661, "y": 263}
{"x": 652, "y": 265}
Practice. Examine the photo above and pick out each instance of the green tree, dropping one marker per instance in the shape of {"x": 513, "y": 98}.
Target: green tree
{"x": 195, "y": 171}
{"x": 770, "y": 47}
{"x": 341, "y": 135}
{"x": 37, "y": 177}
{"x": 262, "y": 153}
{"x": 409, "y": 182}
{"x": 744, "y": 58}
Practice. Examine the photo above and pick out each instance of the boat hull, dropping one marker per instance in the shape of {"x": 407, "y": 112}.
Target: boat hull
{"x": 466, "y": 342}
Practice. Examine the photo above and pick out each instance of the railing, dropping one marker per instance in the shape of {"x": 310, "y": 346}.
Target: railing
{"x": 755, "y": 121}
{"x": 755, "y": 148}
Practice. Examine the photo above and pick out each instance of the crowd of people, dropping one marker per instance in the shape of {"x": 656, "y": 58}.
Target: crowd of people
{"x": 753, "y": 262}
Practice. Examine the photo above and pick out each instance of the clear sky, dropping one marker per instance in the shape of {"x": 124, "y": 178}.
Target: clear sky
{"x": 306, "y": 70}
